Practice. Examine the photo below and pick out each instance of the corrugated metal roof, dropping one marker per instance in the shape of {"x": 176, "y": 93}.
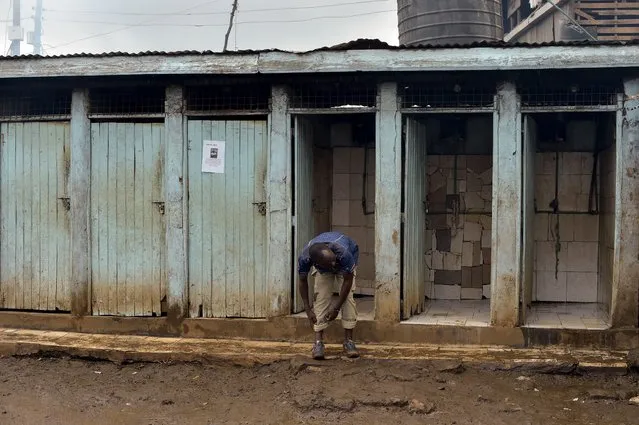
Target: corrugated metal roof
{"x": 360, "y": 44}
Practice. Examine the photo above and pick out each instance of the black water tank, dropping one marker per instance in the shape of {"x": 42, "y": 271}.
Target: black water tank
{"x": 449, "y": 21}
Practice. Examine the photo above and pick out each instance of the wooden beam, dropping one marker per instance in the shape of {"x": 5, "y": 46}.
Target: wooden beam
{"x": 609, "y": 5}
{"x": 174, "y": 204}
{"x": 618, "y": 30}
{"x": 602, "y": 22}
{"x": 404, "y": 60}
{"x": 506, "y": 270}
{"x": 624, "y": 307}
{"x": 388, "y": 194}
{"x": 79, "y": 183}
{"x": 279, "y": 206}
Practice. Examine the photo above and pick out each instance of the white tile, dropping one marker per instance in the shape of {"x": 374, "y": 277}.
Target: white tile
{"x": 471, "y": 293}
{"x": 357, "y": 160}
{"x": 341, "y": 213}
{"x": 547, "y": 163}
{"x": 452, "y": 261}
{"x": 586, "y": 228}
{"x": 566, "y": 227}
{"x": 570, "y": 163}
{"x": 582, "y": 287}
{"x": 341, "y": 187}
{"x": 467, "y": 254}
{"x": 545, "y": 257}
{"x": 456, "y": 241}
{"x": 438, "y": 260}
{"x": 486, "y": 239}
{"x": 582, "y": 256}
{"x": 472, "y": 232}
{"x": 587, "y": 161}
{"x": 486, "y": 291}
{"x": 341, "y": 160}
{"x": 447, "y": 292}
{"x": 544, "y": 190}
{"x": 487, "y": 176}
{"x": 541, "y": 227}
{"x": 356, "y": 187}
{"x": 549, "y": 288}
{"x": 486, "y": 222}
{"x": 474, "y": 201}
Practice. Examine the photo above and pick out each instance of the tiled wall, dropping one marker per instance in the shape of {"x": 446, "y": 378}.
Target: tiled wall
{"x": 458, "y": 247}
{"x": 607, "y": 226}
{"x": 348, "y": 214}
{"x": 570, "y": 275}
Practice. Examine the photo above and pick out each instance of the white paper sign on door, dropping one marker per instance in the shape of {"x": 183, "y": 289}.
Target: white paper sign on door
{"x": 213, "y": 155}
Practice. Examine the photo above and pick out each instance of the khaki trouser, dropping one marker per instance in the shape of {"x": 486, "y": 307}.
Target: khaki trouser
{"x": 323, "y": 297}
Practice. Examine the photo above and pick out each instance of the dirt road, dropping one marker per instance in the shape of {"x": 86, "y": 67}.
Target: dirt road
{"x": 72, "y": 392}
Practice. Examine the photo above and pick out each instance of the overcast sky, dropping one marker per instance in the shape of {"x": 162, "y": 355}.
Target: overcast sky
{"x": 72, "y": 26}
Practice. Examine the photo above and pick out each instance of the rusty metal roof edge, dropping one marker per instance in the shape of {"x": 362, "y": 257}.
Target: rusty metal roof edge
{"x": 360, "y": 44}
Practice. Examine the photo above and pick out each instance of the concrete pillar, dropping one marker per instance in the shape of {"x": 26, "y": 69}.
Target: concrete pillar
{"x": 507, "y": 208}
{"x": 79, "y": 184}
{"x": 388, "y": 197}
{"x": 279, "y": 193}
{"x": 177, "y": 291}
{"x": 624, "y": 308}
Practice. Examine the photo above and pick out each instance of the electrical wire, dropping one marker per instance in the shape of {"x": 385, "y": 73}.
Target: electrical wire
{"x": 324, "y": 6}
{"x": 125, "y": 27}
{"x": 225, "y": 25}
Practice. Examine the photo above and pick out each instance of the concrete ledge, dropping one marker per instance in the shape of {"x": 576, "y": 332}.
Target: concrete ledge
{"x": 296, "y": 329}
{"x": 453, "y": 358}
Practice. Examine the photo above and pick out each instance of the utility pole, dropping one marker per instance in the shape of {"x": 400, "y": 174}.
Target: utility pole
{"x": 15, "y": 32}
{"x": 37, "y": 30}
{"x": 228, "y": 32}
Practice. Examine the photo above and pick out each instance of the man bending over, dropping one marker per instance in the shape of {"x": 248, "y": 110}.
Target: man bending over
{"x": 330, "y": 257}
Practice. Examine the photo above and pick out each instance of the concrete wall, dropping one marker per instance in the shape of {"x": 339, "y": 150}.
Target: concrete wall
{"x": 569, "y": 275}
{"x": 607, "y": 168}
{"x": 459, "y": 226}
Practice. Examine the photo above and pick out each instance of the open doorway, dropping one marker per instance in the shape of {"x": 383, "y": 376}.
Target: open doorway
{"x": 334, "y": 181}
{"x": 458, "y": 235}
{"x": 568, "y": 216}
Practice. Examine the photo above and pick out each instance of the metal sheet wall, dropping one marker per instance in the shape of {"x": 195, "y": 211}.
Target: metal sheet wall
{"x": 34, "y": 219}
{"x": 128, "y": 233}
{"x": 304, "y": 218}
{"x": 227, "y": 246}
{"x": 415, "y": 189}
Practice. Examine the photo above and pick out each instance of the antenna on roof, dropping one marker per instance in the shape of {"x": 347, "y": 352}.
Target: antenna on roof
{"x": 228, "y": 32}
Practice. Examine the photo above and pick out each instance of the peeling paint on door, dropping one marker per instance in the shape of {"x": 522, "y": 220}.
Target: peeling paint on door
{"x": 128, "y": 242}
{"x": 227, "y": 246}
{"x": 34, "y": 220}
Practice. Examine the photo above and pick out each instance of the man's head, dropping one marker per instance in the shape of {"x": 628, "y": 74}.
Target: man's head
{"x": 322, "y": 256}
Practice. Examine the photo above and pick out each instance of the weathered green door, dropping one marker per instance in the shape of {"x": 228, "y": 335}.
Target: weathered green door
{"x": 34, "y": 220}
{"x": 127, "y": 218}
{"x": 227, "y": 221}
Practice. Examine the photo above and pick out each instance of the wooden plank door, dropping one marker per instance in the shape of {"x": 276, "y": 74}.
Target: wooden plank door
{"x": 528, "y": 213}
{"x": 128, "y": 232}
{"x": 227, "y": 221}
{"x": 304, "y": 220}
{"x": 414, "y": 235}
{"x": 35, "y": 241}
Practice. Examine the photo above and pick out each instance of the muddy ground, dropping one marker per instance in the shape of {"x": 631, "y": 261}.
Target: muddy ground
{"x": 66, "y": 391}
